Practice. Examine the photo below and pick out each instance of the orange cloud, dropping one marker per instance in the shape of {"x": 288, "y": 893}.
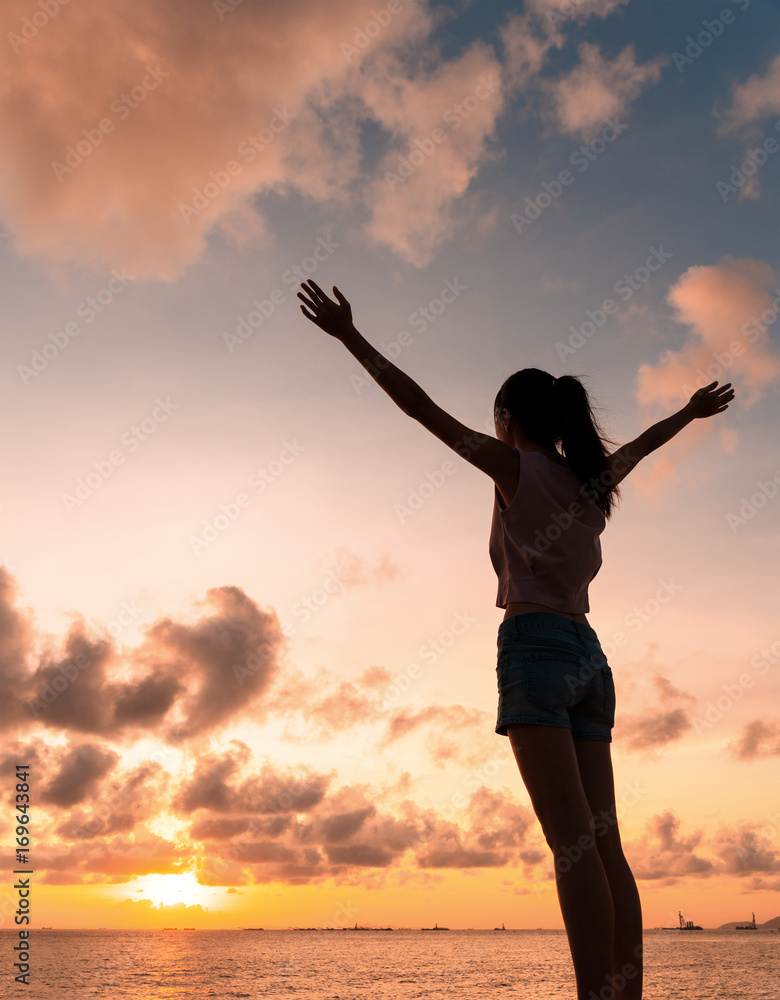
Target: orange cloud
{"x": 657, "y": 725}
{"x": 666, "y": 855}
{"x": 745, "y": 850}
{"x": 449, "y": 717}
{"x": 760, "y": 738}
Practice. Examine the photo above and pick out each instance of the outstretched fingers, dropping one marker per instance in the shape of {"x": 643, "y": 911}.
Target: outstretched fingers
{"x": 315, "y": 291}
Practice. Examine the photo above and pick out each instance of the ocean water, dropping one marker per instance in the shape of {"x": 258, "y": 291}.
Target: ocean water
{"x": 397, "y": 965}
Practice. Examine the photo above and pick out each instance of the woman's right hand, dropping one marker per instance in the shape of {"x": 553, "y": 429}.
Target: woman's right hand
{"x": 708, "y": 400}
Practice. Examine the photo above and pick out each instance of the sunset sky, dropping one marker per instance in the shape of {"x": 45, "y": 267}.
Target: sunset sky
{"x": 248, "y": 613}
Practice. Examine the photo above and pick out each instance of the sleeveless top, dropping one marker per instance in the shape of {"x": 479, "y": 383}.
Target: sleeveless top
{"x": 545, "y": 545}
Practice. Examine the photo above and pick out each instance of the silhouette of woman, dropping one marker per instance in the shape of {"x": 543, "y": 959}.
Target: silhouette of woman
{"x": 555, "y": 687}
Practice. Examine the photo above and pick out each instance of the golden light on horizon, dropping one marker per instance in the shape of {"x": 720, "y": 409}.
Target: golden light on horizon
{"x": 168, "y": 890}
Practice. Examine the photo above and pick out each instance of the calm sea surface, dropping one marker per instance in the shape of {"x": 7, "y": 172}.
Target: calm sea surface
{"x": 397, "y": 965}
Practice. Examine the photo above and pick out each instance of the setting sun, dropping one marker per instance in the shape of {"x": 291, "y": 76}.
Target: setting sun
{"x": 168, "y": 890}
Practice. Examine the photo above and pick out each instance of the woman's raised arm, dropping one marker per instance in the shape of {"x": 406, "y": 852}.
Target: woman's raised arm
{"x": 705, "y": 402}
{"x": 484, "y": 452}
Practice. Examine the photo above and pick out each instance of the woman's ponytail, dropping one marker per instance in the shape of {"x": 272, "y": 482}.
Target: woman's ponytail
{"x": 582, "y": 442}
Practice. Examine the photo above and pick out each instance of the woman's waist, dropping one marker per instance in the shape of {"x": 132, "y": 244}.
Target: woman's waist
{"x": 547, "y": 627}
{"x": 524, "y": 607}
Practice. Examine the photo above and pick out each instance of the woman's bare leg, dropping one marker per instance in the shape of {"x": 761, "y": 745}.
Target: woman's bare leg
{"x": 595, "y": 763}
{"x": 550, "y": 770}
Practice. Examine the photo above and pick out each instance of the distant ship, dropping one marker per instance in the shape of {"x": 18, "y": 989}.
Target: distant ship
{"x": 748, "y": 927}
{"x": 501, "y": 928}
{"x": 189, "y": 928}
{"x": 434, "y": 928}
{"x": 170, "y": 928}
{"x": 251, "y": 928}
{"x": 684, "y": 925}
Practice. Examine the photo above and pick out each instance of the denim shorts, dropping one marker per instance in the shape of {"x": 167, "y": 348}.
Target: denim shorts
{"x": 552, "y": 671}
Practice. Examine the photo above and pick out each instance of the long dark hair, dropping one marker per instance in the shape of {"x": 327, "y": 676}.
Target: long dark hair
{"x": 558, "y": 409}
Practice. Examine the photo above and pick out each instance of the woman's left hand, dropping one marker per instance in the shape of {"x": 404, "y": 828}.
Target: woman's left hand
{"x": 334, "y": 318}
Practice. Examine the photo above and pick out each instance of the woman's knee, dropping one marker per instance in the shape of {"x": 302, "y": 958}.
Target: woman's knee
{"x": 568, "y": 832}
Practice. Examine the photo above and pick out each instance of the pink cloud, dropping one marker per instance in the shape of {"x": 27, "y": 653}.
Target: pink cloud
{"x": 527, "y": 38}
{"x": 218, "y": 111}
{"x": 729, "y": 308}
{"x": 721, "y": 303}
{"x": 200, "y": 91}
{"x": 441, "y": 123}
{"x": 598, "y": 89}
